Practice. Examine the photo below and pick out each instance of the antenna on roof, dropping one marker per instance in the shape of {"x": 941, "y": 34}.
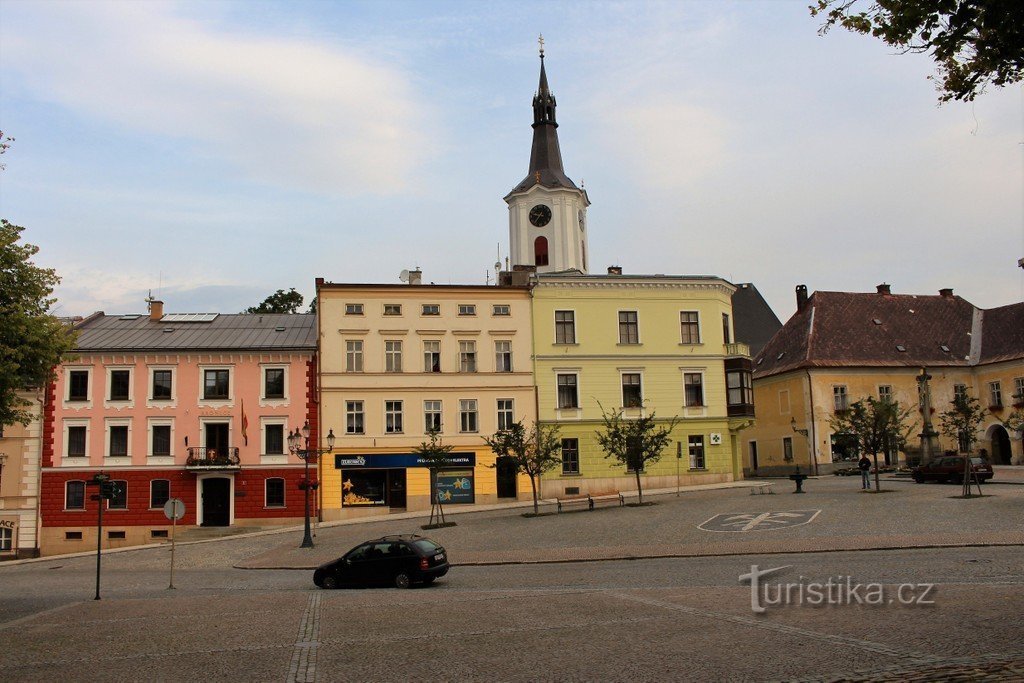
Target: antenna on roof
{"x": 149, "y": 300}
{"x": 404, "y": 276}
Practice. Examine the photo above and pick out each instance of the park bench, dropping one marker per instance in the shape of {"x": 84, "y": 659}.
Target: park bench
{"x": 761, "y": 489}
{"x": 589, "y": 502}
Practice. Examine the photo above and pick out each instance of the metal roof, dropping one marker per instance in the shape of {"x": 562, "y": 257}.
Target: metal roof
{"x": 226, "y": 332}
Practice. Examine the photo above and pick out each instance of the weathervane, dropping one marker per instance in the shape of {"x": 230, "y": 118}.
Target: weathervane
{"x": 540, "y": 39}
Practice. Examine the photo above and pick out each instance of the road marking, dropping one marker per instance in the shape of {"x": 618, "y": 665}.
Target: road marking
{"x": 758, "y": 521}
{"x": 303, "y": 665}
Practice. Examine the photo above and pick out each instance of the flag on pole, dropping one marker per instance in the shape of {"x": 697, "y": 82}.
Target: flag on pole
{"x": 245, "y": 424}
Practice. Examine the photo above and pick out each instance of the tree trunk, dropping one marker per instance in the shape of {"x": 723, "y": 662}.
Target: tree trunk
{"x": 533, "y": 485}
{"x": 878, "y": 479}
{"x": 639, "y": 490}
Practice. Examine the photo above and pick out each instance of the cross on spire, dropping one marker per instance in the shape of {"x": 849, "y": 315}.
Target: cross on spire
{"x": 540, "y": 40}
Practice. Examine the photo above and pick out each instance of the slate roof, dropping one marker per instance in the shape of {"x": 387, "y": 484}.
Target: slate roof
{"x": 846, "y": 329}
{"x": 226, "y": 332}
{"x": 753, "y": 320}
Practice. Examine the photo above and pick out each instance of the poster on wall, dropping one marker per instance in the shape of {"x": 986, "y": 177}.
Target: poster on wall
{"x": 363, "y": 488}
{"x": 455, "y": 486}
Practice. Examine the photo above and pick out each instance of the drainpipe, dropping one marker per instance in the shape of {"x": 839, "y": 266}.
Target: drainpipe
{"x": 812, "y": 434}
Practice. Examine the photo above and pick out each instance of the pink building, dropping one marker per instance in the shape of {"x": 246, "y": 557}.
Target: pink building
{"x": 190, "y": 406}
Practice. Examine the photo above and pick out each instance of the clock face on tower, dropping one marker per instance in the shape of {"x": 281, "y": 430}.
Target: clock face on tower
{"x": 540, "y": 215}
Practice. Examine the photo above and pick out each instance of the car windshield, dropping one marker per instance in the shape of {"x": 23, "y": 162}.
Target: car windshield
{"x": 978, "y": 461}
{"x": 426, "y": 545}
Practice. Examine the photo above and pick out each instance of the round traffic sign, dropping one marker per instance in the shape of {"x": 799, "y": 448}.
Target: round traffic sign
{"x": 174, "y": 508}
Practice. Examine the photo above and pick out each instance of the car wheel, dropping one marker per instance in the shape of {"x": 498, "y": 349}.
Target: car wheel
{"x": 330, "y": 582}
{"x": 402, "y": 580}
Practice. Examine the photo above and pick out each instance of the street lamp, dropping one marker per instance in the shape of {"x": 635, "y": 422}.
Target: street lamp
{"x": 296, "y": 441}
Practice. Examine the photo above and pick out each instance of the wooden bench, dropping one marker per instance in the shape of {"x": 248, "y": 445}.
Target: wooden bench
{"x": 761, "y": 489}
{"x": 589, "y": 502}
{"x": 575, "y": 501}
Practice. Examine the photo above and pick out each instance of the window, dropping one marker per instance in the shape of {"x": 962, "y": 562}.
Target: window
{"x": 78, "y": 385}
{"x": 76, "y": 442}
{"x": 431, "y": 356}
{"x": 431, "y": 309}
{"x": 1018, "y": 389}
{"x": 273, "y": 439}
{"x": 570, "y": 456}
{"x": 120, "y": 381}
{"x": 959, "y": 391}
{"x": 567, "y": 394}
{"x": 273, "y": 383}
{"x": 467, "y": 356}
{"x": 118, "y": 447}
{"x": 501, "y": 309}
{"x": 114, "y": 535}
{"x": 120, "y": 499}
{"x": 740, "y": 388}
{"x": 503, "y": 356}
{"x": 431, "y": 416}
{"x": 467, "y": 309}
{"x": 353, "y": 417}
{"x": 161, "y": 385}
{"x": 392, "y": 309}
{"x": 160, "y": 440}
{"x": 540, "y": 251}
{"x": 159, "y": 492}
{"x": 353, "y": 309}
{"x": 629, "y": 329}
{"x": 393, "y": 417}
{"x": 632, "y": 396}
{"x": 884, "y": 392}
{"x": 839, "y": 398}
{"x": 354, "y": 356}
{"x": 787, "y": 448}
{"x": 216, "y": 384}
{"x": 274, "y": 496}
{"x": 695, "y": 443}
{"x": 693, "y": 389}
{"x": 565, "y": 327}
{"x": 689, "y": 324}
{"x": 467, "y": 415}
{"x": 726, "y": 334}
{"x": 6, "y": 539}
{"x": 995, "y": 395}
{"x": 74, "y": 495}
{"x": 393, "y": 356}
{"x": 506, "y": 418}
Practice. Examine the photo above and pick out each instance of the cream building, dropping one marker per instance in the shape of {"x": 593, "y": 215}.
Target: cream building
{"x": 20, "y": 452}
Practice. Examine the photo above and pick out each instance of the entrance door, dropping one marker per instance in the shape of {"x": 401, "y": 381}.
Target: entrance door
{"x": 506, "y": 477}
{"x": 217, "y": 438}
{"x": 396, "y": 488}
{"x": 753, "y": 456}
{"x": 1000, "y": 446}
{"x": 217, "y": 501}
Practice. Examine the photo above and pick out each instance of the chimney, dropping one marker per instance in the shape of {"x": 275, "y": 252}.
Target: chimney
{"x": 156, "y": 310}
{"x": 883, "y": 289}
{"x": 946, "y": 292}
{"x": 801, "y": 297}
{"x": 416, "y": 277}
{"x": 615, "y": 270}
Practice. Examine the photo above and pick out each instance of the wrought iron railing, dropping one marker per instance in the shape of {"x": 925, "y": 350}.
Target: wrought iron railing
{"x": 212, "y": 458}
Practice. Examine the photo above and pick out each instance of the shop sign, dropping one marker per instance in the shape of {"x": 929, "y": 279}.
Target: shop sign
{"x": 455, "y": 486}
{"x": 398, "y": 460}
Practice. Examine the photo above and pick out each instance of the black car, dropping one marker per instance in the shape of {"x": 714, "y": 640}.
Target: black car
{"x": 950, "y": 469}
{"x": 396, "y": 560}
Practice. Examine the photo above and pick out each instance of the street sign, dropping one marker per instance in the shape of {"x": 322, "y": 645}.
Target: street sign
{"x": 174, "y": 509}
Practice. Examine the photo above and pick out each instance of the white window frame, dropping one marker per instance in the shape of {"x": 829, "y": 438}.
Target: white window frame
{"x": 202, "y": 385}
{"x": 426, "y": 366}
{"x": 469, "y": 407}
{"x": 498, "y": 354}
{"x": 439, "y": 412}
{"x": 467, "y": 309}
{"x": 699, "y": 440}
{"x": 171, "y": 402}
{"x": 158, "y": 422}
{"x": 360, "y": 410}
{"x": 995, "y": 393}
{"x": 554, "y": 327}
{"x": 353, "y": 309}
{"x": 6, "y": 540}
{"x": 396, "y": 310}
{"x": 75, "y": 459}
{"x": 129, "y": 402}
{"x": 887, "y": 393}
{"x": 703, "y": 387}
{"x": 840, "y": 395}
{"x": 108, "y": 423}
{"x": 622, "y": 388}
{"x": 510, "y": 412}
{"x": 497, "y": 308}
{"x": 430, "y": 310}
{"x": 700, "y": 328}
{"x": 565, "y": 470}
{"x": 273, "y": 458}
{"x": 956, "y": 390}
{"x": 1018, "y": 390}
{"x": 576, "y": 374}
{"x": 90, "y": 388}
{"x": 467, "y": 348}
{"x": 354, "y": 352}
{"x": 393, "y": 355}
{"x": 276, "y": 401}
{"x": 391, "y": 413}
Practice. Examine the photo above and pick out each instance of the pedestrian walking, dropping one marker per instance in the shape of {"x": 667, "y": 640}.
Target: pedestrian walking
{"x": 865, "y": 472}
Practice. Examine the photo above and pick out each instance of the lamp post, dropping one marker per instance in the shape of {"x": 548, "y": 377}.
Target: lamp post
{"x": 296, "y": 441}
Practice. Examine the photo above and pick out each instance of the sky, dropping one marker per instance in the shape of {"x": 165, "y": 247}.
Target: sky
{"x": 215, "y": 152}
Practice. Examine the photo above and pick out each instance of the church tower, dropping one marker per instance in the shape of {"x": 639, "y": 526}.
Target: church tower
{"x": 547, "y": 213}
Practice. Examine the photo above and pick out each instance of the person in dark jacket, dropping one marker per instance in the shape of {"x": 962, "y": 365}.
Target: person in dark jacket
{"x": 865, "y": 472}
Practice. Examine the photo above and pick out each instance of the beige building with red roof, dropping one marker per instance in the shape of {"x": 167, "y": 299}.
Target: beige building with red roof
{"x": 840, "y": 347}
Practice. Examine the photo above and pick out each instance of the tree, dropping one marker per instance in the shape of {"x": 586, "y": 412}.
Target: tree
{"x": 32, "y": 342}
{"x": 435, "y": 454}
{"x": 279, "y": 302}
{"x": 634, "y": 442}
{"x": 974, "y": 42}
{"x": 961, "y": 422}
{"x": 532, "y": 451}
{"x": 878, "y": 425}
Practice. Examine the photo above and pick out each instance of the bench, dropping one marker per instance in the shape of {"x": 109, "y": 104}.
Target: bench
{"x": 761, "y": 489}
{"x": 589, "y": 502}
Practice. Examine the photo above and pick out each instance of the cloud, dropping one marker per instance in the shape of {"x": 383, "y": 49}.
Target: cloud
{"x": 283, "y": 111}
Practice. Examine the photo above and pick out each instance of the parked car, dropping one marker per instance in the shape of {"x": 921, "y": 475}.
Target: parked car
{"x": 951, "y": 469}
{"x": 391, "y": 560}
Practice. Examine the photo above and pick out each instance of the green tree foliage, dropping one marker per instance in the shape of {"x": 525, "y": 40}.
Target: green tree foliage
{"x": 961, "y": 422}
{"x": 532, "y": 451}
{"x": 32, "y": 342}
{"x": 879, "y": 426}
{"x": 279, "y": 302}
{"x": 974, "y": 42}
{"x": 436, "y": 455}
{"x": 634, "y": 442}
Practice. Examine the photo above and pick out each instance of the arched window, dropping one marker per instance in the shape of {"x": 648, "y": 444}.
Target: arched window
{"x": 540, "y": 251}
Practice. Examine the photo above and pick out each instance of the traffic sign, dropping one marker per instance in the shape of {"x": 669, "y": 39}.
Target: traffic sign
{"x": 174, "y": 509}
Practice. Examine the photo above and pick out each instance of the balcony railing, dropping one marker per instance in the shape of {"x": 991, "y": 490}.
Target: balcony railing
{"x": 202, "y": 458}
{"x": 737, "y": 349}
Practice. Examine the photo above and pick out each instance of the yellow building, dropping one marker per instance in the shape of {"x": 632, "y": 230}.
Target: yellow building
{"x": 640, "y": 343}
{"x": 399, "y": 360}
{"x": 840, "y": 347}
{"x": 20, "y": 457}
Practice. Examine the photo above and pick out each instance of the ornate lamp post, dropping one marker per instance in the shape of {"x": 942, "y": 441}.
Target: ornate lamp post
{"x": 298, "y": 444}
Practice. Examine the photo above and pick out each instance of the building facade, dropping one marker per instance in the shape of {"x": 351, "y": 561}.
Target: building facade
{"x": 841, "y": 347}
{"x": 400, "y": 361}
{"x": 190, "y": 406}
{"x": 20, "y": 450}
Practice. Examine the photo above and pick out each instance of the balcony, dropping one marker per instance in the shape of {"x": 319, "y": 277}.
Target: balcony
{"x": 737, "y": 349}
{"x": 212, "y": 459}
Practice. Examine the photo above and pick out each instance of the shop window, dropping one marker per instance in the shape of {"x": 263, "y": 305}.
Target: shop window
{"x": 363, "y": 488}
